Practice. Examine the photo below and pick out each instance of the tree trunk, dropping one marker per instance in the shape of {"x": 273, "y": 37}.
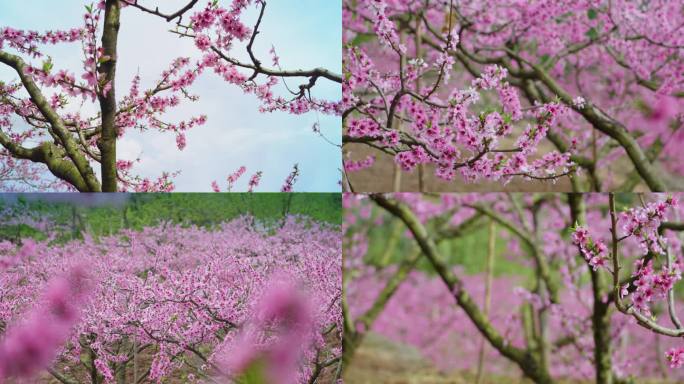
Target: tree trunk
{"x": 121, "y": 373}
{"x": 107, "y": 74}
{"x": 600, "y": 319}
{"x": 350, "y": 342}
{"x": 489, "y": 268}
{"x": 602, "y": 344}
{"x": 543, "y": 334}
{"x": 94, "y": 377}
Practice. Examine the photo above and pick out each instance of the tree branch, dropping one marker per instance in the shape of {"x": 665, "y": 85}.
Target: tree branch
{"x": 178, "y": 14}
{"x": 56, "y": 123}
{"x": 523, "y": 358}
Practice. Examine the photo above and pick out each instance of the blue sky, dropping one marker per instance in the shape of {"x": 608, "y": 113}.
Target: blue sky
{"x": 306, "y": 34}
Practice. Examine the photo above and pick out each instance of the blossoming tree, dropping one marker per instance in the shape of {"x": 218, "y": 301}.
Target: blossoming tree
{"x": 564, "y": 315}
{"x": 491, "y": 90}
{"x": 41, "y": 132}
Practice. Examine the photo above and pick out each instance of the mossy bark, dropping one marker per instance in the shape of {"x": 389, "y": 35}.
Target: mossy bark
{"x": 63, "y": 158}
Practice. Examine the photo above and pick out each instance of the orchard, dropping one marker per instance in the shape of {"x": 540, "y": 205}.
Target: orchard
{"x": 245, "y": 300}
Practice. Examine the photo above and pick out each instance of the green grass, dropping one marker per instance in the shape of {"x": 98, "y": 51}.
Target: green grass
{"x": 20, "y": 231}
{"x": 143, "y": 210}
{"x": 211, "y": 209}
{"x": 468, "y": 251}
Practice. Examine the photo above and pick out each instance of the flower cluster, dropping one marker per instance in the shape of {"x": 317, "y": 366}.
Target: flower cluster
{"x": 353, "y": 166}
{"x": 254, "y": 181}
{"x": 278, "y": 336}
{"x": 233, "y": 177}
{"x": 675, "y": 357}
{"x": 642, "y": 223}
{"x": 439, "y": 128}
{"x": 650, "y": 285}
{"x": 291, "y": 179}
{"x": 28, "y": 41}
{"x": 219, "y": 29}
{"x": 594, "y": 251}
{"x": 384, "y": 27}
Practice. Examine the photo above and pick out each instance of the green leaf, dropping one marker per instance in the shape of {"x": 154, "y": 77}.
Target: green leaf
{"x": 47, "y": 65}
{"x": 361, "y": 38}
{"x": 592, "y": 34}
{"x": 562, "y": 18}
{"x": 544, "y": 60}
{"x": 89, "y": 8}
{"x": 592, "y": 14}
{"x": 254, "y": 374}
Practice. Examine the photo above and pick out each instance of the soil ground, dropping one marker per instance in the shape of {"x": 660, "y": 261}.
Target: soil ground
{"x": 379, "y": 178}
{"x": 379, "y": 360}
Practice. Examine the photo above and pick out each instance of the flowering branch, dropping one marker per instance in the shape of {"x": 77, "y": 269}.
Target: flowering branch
{"x": 548, "y": 66}
{"x": 69, "y": 144}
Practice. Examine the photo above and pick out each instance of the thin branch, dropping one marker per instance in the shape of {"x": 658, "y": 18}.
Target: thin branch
{"x": 178, "y": 14}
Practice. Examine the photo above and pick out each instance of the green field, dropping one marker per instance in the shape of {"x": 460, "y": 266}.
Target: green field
{"x": 71, "y": 215}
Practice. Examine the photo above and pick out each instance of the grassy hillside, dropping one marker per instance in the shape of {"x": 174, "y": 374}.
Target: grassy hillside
{"x": 70, "y": 215}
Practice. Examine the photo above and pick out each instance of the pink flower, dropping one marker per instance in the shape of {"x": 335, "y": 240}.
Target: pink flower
{"x": 254, "y": 181}
{"x": 32, "y": 344}
{"x": 664, "y": 109}
{"x": 180, "y": 141}
{"x": 290, "y": 180}
{"x": 578, "y": 102}
{"x": 277, "y": 335}
{"x": 274, "y": 57}
{"x": 354, "y": 166}
{"x": 233, "y": 177}
{"x": 91, "y": 78}
{"x": 580, "y": 235}
{"x": 675, "y": 357}
{"x": 203, "y": 42}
